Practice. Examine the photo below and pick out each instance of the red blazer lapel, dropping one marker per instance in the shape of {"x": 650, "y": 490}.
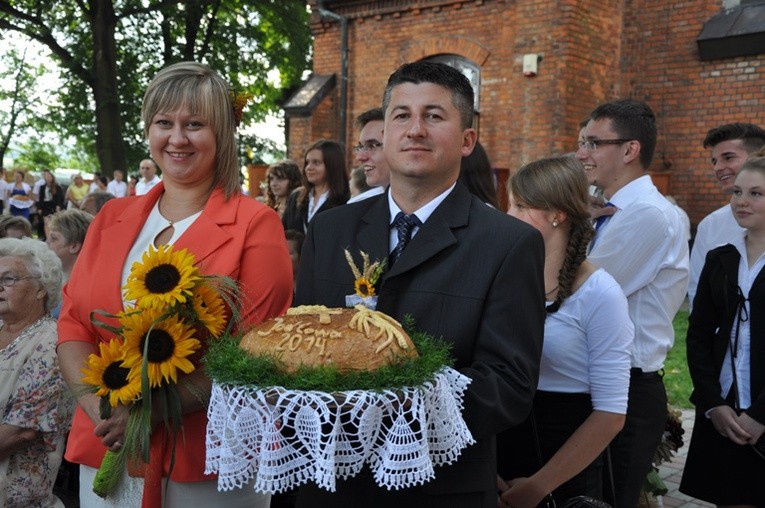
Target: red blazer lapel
{"x": 206, "y": 236}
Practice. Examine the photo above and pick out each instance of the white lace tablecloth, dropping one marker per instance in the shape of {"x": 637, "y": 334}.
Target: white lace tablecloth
{"x": 285, "y": 438}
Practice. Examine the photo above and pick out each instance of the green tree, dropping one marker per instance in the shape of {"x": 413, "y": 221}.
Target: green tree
{"x": 108, "y": 50}
{"x": 36, "y": 154}
{"x": 17, "y": 99}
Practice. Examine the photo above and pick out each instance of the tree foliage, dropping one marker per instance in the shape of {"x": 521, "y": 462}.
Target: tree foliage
{"x": 108, "y": 50}
{"x": 17, "y": 97}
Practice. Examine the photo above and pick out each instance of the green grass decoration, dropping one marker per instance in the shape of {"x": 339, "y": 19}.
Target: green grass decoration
{"x": 227, "y": 363}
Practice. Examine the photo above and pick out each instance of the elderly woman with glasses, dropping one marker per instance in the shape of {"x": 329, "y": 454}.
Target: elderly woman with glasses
{"x": 35, "y": 405}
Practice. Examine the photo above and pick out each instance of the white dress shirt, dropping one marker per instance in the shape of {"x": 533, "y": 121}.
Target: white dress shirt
{"x": 36, "y": 189}
{"x": 117, "y": 189}
{"x": 716, "y": 229}
{"x": 644, "y": 248}
{"x": 142, "y": 187}
{"x": 374, "y": 191}
{"x": 314, "y": 205}
{"x": 423, "y": 214}
{"x": 587, "y": 345}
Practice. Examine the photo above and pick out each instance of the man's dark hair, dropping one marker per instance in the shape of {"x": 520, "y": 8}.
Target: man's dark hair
{"x": 437, "y": 74}
{"x": 369, "y": 115}
{"x": 631, "y": 119}
{"x": 751, "y": 136}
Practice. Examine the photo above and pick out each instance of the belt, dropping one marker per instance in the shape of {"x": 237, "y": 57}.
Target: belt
{"x": 638, "y": 372}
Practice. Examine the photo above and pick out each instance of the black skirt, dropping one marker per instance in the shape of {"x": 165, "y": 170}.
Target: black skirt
{"x": 719, "y": 471}
{"x": 557, "y": 416}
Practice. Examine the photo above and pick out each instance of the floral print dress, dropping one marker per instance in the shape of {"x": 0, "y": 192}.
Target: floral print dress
{"x": 33, "y": 395}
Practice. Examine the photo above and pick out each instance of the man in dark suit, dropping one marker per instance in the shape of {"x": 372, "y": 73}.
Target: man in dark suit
{"x": 470, "y": 274}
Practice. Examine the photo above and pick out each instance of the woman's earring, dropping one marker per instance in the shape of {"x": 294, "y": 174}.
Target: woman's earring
{"x": 555, "y": 223}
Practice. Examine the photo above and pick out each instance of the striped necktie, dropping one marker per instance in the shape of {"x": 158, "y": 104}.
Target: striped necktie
{"x": 404, "y": 225}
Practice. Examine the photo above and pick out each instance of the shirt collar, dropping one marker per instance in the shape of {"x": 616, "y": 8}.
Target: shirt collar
{"x": 630, "y": 192}
{"x": 424, "y": 212}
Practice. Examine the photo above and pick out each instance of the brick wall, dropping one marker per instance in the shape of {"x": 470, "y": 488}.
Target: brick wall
{"x": 661, "y": 65}
{"x": 592, "y": 51}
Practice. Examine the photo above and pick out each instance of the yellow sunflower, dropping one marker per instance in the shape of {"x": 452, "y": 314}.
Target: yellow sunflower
{"x": 210, "y": 309}
{"x": 107, "y": 372}
{"x": 162, "y": 278}
{"x": 171, "y": 342}
{"x": 364, "y": 287}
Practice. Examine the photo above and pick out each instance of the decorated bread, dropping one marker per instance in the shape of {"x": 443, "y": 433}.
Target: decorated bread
{"x": 357, "y": 339}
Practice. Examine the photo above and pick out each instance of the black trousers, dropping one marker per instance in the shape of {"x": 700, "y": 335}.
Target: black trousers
{"x": 633, "y": 448}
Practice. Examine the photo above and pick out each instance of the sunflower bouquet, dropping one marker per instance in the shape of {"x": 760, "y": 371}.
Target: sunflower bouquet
{"x": 175, "y": 310}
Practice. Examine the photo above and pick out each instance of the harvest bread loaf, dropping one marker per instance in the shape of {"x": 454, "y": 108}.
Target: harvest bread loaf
{"x": 314, "y": 335}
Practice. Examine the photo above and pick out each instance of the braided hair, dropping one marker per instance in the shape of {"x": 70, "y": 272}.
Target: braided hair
{"x": 559, "y": 183}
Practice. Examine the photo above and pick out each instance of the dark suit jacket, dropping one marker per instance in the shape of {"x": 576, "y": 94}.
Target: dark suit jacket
{"x": 473, "y": 276}
{"x": 715, "y": 309}
{"x": 296, "y": 218}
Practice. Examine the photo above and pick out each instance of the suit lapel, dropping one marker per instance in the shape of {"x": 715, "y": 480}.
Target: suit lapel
{"x": 122, "y": 233}
{"x": 203, "y": 238}
{"x": 437, "y": 232}
{"x": 206, "y": 236}
{"x": 374, "y": 233}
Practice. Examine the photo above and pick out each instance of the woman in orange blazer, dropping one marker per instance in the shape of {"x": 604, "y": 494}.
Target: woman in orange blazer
{"x": 190, "y": 125}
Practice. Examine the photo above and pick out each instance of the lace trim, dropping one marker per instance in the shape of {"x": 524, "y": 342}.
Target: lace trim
{"x": 286, "y": 438}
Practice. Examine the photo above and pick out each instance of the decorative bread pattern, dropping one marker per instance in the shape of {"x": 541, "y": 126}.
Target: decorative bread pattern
{"x": 313, "y": 335}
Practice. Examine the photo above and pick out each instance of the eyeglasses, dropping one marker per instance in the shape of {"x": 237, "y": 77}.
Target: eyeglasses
{"x": 369, "y": 146}
{"x": 592, "y": 144}
{"x": 9, "y": 281}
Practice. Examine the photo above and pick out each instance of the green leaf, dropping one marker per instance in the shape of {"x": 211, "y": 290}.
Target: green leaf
{"x": 104, "y": 407}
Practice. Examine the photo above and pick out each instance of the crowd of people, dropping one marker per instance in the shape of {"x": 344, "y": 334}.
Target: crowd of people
{"x": 558, "y": 309}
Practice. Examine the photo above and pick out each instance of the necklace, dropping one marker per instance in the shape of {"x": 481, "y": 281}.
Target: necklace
{"x": 29, "y": 330}
{"x": 172, "y": 223}
{"x": 553, "y": 290}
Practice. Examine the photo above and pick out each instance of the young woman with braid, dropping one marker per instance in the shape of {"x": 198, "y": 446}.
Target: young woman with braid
{"x": 581, "y": 396}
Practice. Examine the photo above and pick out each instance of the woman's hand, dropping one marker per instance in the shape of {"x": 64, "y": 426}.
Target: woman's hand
{"x": 112, "y": 430}
{"x": 523, "y": 493}
{"x": 502, "y": 486}
{"x": 726, "y": 422}
{"x": 752, "y": 426}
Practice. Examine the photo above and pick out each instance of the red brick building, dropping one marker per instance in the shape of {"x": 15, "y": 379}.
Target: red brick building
{"x": 686, "y": 58}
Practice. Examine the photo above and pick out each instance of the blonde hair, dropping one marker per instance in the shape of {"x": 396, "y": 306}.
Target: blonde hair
{"x": 755, "y": 162}
{"x": 203, "y": 92}
{"x": 72, "y": 224}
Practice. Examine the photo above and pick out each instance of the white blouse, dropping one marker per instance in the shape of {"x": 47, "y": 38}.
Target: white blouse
{"x": 153, "y": 226}
{"x": 588, "y": 343}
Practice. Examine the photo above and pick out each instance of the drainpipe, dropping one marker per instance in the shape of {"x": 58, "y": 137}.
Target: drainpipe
{"x": 325, "y": 13}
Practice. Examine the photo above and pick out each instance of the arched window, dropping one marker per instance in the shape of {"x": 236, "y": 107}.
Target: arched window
{"x": 466, "y": 67}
